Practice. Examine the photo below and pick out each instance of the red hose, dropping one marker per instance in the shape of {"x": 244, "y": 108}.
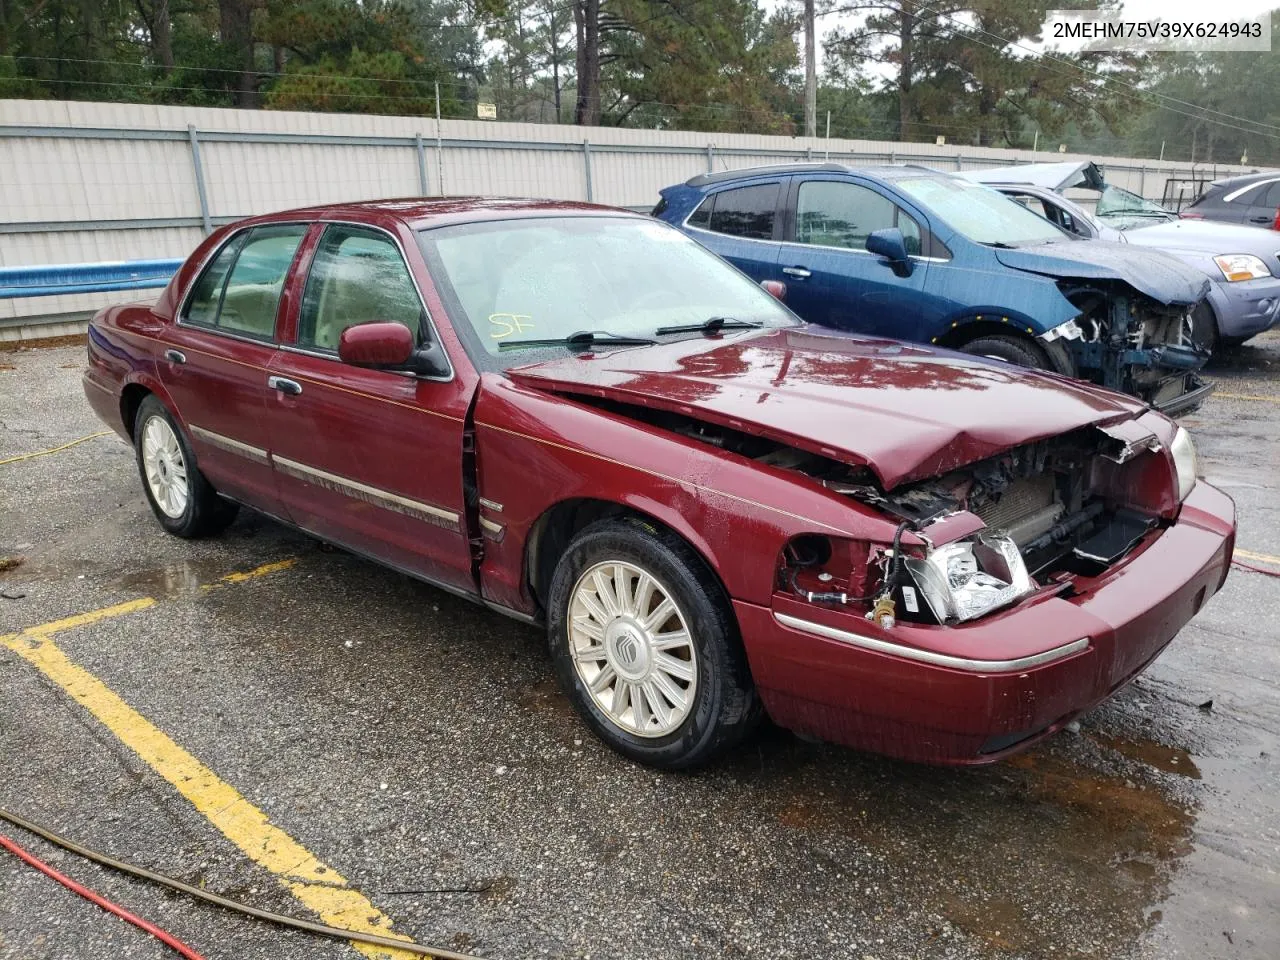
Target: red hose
{"x": 100, "y": 900}
{"x": 1250, "y": 566}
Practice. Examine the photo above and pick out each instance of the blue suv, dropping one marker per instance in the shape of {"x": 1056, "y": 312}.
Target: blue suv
{"x": 915, "y": 254}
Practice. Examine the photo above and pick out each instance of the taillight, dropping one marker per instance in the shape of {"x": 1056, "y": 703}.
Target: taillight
{"x": 1275, "y": 224}
{"x": 1189, "y": 215}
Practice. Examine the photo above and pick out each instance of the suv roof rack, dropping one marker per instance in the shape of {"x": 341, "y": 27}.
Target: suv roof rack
{"x": 704, "y": 178}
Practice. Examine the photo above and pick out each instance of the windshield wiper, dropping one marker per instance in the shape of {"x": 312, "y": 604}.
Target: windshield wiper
{"x": 577, "y": 341}
{"x": 714, "y": 325}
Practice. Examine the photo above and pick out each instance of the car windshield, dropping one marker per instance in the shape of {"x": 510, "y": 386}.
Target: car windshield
{"x": 549, "y": 278}
{"x": 979, "y": 212}
{"x": 1125, "y": 210}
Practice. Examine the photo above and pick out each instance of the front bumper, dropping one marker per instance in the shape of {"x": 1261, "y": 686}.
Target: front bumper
{"x": 979, "y": 692}
{"x": 1246, "y": 308}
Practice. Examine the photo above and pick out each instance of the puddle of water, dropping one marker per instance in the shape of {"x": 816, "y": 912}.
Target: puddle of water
{"x": 183, "y": 577}
{"x": 1168, "y": 759}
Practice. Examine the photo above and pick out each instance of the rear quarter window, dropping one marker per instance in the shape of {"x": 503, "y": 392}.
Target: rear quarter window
{"x": 739, "y": 212}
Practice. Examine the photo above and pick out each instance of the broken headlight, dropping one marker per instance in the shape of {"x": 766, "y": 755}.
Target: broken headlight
{"x": 1185, "y": 462}
{"x": 970, "y": 578}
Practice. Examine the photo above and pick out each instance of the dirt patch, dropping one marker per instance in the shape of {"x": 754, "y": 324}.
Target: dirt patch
{"x": 7, "y": 366}
{"x": 11, "y": 563}
{"x": 1129, "y": 814}
{"x": 43, "y": 343}
{"x": 1001, "y": 924}
{"x": 1169, "y": 759}
{"x": 545, "y": 696}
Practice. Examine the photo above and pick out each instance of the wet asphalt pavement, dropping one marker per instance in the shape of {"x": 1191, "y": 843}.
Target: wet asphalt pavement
{"x": 419, "y": 744}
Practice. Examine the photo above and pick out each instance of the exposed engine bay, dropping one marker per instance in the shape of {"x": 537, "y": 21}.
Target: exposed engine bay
{"x": 996, "y": 530}
{"x": 1132, "y": 343}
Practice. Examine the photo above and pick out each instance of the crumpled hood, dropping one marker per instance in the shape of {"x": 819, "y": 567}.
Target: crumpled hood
{"x": 1158, "y": 275}
{"x": 905, "y": 411}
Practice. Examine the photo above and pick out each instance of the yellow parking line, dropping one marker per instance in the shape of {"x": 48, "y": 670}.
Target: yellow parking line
{"x": 1264, "y": 398}
{"x": 261, "y": 571}
{"x": 1260, "y": 557}
{"x": 65, "y": 446}
{"x": 316, "y": 885}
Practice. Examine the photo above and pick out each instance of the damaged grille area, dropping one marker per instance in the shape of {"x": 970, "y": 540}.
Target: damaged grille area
{"x": 1056, "y": 499}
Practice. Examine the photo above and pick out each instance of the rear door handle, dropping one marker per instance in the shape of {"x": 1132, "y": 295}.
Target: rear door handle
{"x": 291, "y": 387}
{"x": 175, "y": 356}
{"x": 1262, "y": 219}
{"x": 800, "y": 273}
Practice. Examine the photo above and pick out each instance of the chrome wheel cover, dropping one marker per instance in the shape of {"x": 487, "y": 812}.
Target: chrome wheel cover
{"x": 164, "y": 467}
{"x": 632, "y": 648}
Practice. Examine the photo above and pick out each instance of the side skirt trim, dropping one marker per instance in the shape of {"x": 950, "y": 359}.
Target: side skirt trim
{"x": 256, "y": 454}
{"x": 360, "y": 491}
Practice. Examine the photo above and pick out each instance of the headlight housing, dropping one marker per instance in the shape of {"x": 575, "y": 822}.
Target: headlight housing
{"x": 970, "y": 578}
{"x": 1185, "y": 462}
{"x": 1241, "y": 266}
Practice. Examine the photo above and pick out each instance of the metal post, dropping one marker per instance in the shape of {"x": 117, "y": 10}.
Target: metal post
{"x": 200, "y": 190}
{"x": 1142, "y": 180}
{"x": 959, "y": 159}
{"x": 586, "y": 166}
{"x": 423, "y": 186}
{"x": 711, "y": 162}
{"x": 439, "y": 146}
{"x": 828, "y": 154}
{"x": 808, "y": 154}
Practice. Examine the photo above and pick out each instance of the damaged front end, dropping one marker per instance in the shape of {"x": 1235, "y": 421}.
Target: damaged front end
{"x": 1042, "y": 516}
{"x": 1134, "y": 344}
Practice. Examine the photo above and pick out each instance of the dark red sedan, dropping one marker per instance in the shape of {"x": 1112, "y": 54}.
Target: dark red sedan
{"x": 579, "y": 417}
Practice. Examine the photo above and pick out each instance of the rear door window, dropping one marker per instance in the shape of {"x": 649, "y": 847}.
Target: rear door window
{"x": 747, "y": 212}
{"x": 239, "y": 292}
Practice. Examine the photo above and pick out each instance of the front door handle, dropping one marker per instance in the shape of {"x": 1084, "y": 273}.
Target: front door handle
{"x": 291, "y": 387}
{"x": 1262, "y": 219}
{"x": 800, "y": 273}
{"x": 175, "y": 356}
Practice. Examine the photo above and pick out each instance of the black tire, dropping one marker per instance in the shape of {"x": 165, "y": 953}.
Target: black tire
{"x": 1204, "y": 327}
{"x": 724, "y": 707}
{"x": 204, "y": 513}
{"x": 1011, "y": 349}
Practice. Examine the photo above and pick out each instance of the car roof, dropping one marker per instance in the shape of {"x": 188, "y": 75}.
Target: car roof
{"x": 426, "y": 212}
{"x": 1244, "y": 179}
{"x": 884, "y": 171}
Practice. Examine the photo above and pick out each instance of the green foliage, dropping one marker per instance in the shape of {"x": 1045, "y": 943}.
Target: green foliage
{"x": 893, "y": 69}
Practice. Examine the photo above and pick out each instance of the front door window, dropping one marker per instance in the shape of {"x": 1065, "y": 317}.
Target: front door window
{"x": 357, "y": 276}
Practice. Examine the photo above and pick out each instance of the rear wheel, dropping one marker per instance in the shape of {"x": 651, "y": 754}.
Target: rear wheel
{"x": 1009, "y": 349}
{"x": 181, "y": 498}
{"x": 647, "y": 647}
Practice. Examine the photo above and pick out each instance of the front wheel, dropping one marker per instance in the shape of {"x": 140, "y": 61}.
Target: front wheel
{"x": 1009, "y": 349}
{"x": 646, "y": 646}
{"x": 182, "y": 499}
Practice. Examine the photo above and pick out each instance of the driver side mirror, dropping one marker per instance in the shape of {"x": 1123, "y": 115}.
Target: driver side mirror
{"x": 390, "y": 346}
{"x": 889, "y": 243}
